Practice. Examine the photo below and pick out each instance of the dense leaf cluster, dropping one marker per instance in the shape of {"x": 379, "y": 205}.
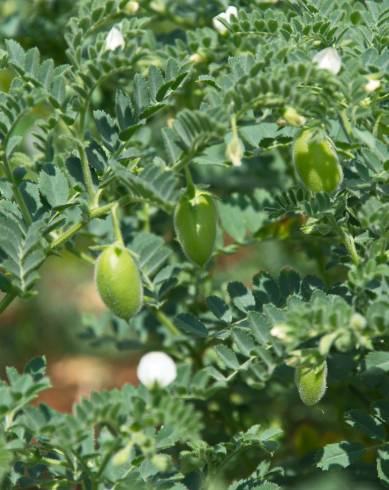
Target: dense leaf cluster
{"x": 115, "y": 139}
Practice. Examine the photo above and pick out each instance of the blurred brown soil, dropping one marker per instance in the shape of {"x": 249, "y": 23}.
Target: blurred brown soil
{"x": 76, "y": 377}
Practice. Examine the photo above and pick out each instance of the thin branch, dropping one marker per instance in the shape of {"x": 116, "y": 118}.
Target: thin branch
{"x": 7, "y": 300}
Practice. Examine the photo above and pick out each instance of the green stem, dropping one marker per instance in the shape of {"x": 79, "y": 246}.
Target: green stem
{"x": 67, "y": 234}
{"x": 189, "y": 181}
{"x": 21, "y": 203}
{"x": 348, "y": 130}
{"x": 102, "y": 210}
{"x": 18, "y": 196}
{"x": 83, "y": 256}
{"x": 95, "y": 485}
{"x": 160, "y": 315}
{"x": 107, "y": 459}
{"x": 260, "y": 101}
{"x": 146, "y": 215}
{"x": 116, "y": 224}
{"x": 198, "y": 283}
{"x": 175, "y": 19}
{"x": 345, "y": 123}
{"x": 87, "y": 175}
{"x": 83, "y": 114}
{"x": 7, "y": 300}
{"x": 215, "y": 473}
{"x": 377, "y": 125}
{"x": 94, "y": 213}
{"x": 234, "y": 127}
{"x": 241, "y": 368}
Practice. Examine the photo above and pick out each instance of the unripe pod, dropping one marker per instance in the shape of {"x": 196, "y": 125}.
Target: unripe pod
{"x": 195, "y": 222}
{"x": 316, "y": 161}
{"x": 118, "y": 281}
{"x": 311, "y": 383}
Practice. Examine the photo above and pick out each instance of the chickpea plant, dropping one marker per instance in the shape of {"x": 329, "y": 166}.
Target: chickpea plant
{"x": 172, "y": 136}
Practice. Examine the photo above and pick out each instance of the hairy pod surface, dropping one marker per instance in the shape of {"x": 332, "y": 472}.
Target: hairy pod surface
{"x": 316, "y": 161}
{"x": 311, "y": 383}
{"x": 195, "y": 223}
{"x": 118, "y": 281}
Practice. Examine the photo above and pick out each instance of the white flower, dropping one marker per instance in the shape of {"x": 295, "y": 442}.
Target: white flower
{"x": 114, "y": 39}
{"x": 328, "y": 59}
{"x": 230, "y": 12}
{"x": 372, "y": 85}
{"x": 156, "y": 368}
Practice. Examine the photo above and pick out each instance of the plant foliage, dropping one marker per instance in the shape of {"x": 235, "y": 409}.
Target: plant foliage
{"x": 118, "y": 135}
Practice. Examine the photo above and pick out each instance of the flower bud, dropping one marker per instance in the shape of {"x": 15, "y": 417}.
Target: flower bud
{"x": 328, "y": 59}
{"x": 158, "y": 6}
{"x": 196, "y": 58}
{"x": 235, "y": 151}
{"x": 131, "y": 7}
{"x": 156, "y": 368}
{"x": 122, "y": 456}
{"x": 293, "y": 118}
{"x": 161, "y": 462}
{"x": 372, "y": 85}
{"x": 358, "y": 321}
{"x": 114, "y": 39}
{"x": 365, "y": 103}
{"x": 345, "y": 342}
{"x": 281, "y": 331}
